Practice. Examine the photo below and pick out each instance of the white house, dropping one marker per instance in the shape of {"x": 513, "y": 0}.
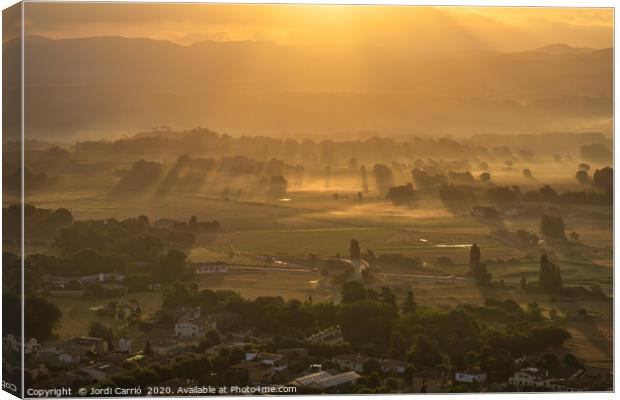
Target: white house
{"x": 65, "y": 353}
{"x": 353, "y": 362}
{"x": 529, "y": 377}
{"x": 102, "y": 277}
{"x": 470, "y": 376}
{"x": 330, "y": 335}
{"x": 211, "y": 268}
{"x": 124, "y": 345}
{"x": 395, "y": 366}
{"x": 31, "y": 345}
{"x": 193, "y": 327}
{"x": 325, "y": 380}
{"x": 273, "y": 361}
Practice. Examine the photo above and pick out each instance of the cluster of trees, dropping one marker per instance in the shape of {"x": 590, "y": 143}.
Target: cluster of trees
{"x": 215, "y": 371}
{"x": 41, "y": 316}
{"x": 425, "y": 181}
{"x": 477, "y": 269}
{"x": 189, "y": 174}
{"x": 311, "y": 152}
{"x": 384, "y": 178}
{"x": 195, "y": 226}
{"x": 456, "y": 199}
{"x": 403, "y": 195}
{"x": 376, "y": 323}
{"x": 552, "y": 226}
{"x": 38, "y": 222}
{"x": 133, "y": 237}
{"x": 550, "y": 281}
{"x": 550, "y": 276}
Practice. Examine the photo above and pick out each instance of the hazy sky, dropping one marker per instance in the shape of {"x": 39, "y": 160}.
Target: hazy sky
{"x": 441, "y": 28}
{"x": 390, "y": 69}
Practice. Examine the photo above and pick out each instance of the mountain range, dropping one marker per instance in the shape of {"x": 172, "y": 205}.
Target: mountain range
{"x": 108, "y": 86}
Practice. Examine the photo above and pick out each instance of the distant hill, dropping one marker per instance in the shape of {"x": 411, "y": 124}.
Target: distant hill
{"x": 114, "y": 85}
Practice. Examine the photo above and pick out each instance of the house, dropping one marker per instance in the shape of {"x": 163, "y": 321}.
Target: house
{"x": 104, "y": 277}
{"x": 484, "y": 212}
{"x": 560, "y": 380}
{"x": 128, "y": 309}
{"x": 430, "y": 381}
{"x": 164, "y": 347}
{"x": 330, "y": 335}
{"x": 180, "y": 313}
{"x": 35, "y": 368}
{"x": 124, "y": 345}
{"x": 154, "y": 287}
{"x": 261, "y": 367}
{"x": 325, "y": 381}
{"x": 276, "y": 362}
{"x": 255, "y": 371}
{"x": 64, "y": 353}
{"x": 307, "y": 380}
{"x": 211, "y": 268}
{"x": 354, "y": 362}
{"x": 168, "y": 347}
{"x": 393, "y": 366}
{"x": 294, "y": 352}
{"x": 193, "y": 327}
{"x": 597, "y": 374}
{"x": 101, "y": 371}
{"x": 470, "y": 376}
{"x": 31, "y": 345}
{"x": 93, "y": 344}
{"x": 529, "y": 378}
{"x": 512, "y": 212}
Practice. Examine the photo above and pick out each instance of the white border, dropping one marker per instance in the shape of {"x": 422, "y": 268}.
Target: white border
{"x": 489, "y": 3}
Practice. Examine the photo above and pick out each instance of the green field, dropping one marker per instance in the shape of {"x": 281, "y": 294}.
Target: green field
{"x": 256, "y": 232}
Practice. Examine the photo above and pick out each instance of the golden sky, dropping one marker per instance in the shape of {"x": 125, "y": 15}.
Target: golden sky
{"x": 437, "y": 28}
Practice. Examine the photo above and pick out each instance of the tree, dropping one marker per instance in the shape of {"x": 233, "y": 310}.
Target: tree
{"x": 364, "y": 178}
{"x": 409, "y": 305}
{"x": 582, "y": 177}
{"x": 384, "y": 178}
{"x": 41, "y": 317}
{"x": 552, "y": 226}
{"x": 278, "y": 185}
{"x": 425, "y": 181}
{"x": 485, "y": 177}
{"x": 148, "y": 351}
{"x": 212, "y": 338}
{"x": 387, "y": 296}
{"x": 99, "y": 330}
{"x": 528, "y": 174}
{"x": 398, "y": 345}
{"x": 604, "y": 179}
{"x": 474, "y": 258}
{"x": 353, "y": 163}
{"x": 477, "y": 269}
{"x": 402, "y": 195}
{"x": 171, "y": 267}
{"x": 354, "y": 250}
{"x": 550, "y": 277}
{"x": 370, "y": 366}
{"x": 425, "y": 352}
{"x": 353, "y": 291}
{"x": 584, "y": 167}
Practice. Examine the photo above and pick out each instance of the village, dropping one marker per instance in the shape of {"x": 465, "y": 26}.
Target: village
{"x": 321, "y": 362}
